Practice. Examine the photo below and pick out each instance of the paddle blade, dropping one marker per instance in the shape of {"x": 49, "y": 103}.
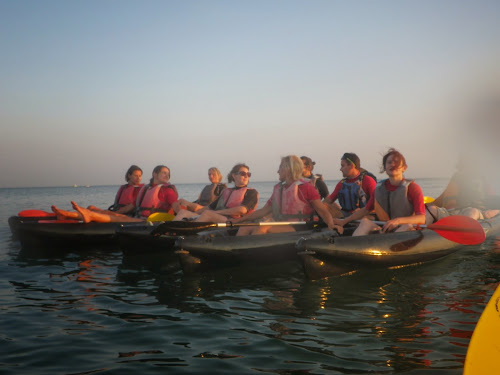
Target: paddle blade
{"x": 160, "y": 216}
{"x": 35, "y": 213}
{"x": 181, "y": 227}
{"x": 460, "y": 229}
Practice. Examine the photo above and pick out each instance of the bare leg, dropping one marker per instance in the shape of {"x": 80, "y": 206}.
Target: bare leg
{"x": 183, "y": 214}
{"x": 63, "y": 214}
{"x": 89, "y": 216}
{"x": 210, "y": 216}
{"x": 365, "y": 227}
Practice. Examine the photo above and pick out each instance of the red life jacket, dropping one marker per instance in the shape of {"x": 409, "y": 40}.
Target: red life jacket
{"x": 287, "y": 203}
{"x": 126, "y": 194}
{"x": 232, "y": 197}
{"x": 148, "y": 200}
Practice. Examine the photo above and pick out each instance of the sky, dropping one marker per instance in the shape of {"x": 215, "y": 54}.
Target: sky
{"x": 88, "y": 88}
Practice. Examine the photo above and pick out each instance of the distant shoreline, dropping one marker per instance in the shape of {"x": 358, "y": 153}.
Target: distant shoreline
{"x": 187, "y": 183}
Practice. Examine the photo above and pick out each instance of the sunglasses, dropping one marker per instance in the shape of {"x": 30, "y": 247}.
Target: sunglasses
{"x": 244, "y": 174}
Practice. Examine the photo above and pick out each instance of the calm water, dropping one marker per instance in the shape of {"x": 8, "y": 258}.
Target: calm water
{"x": 98, "y": 312}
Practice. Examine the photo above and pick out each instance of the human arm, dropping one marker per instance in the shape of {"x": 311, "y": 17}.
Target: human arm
{"x": 323, "y": 212}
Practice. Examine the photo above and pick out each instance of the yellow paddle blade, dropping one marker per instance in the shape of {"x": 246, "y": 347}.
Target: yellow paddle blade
{"x": 484, "y": 347}
{"x": 428, "y": 199}
{"x": 160, "y": 216}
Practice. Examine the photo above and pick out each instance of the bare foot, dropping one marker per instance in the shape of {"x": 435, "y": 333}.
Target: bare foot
{"x": 86, "y": 217}
{"x": 63, "y": 214}
{"x": 490, "y": 213}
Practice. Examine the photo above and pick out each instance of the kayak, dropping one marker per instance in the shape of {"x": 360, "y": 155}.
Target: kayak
{"x": 138, "y": 239}
{"x": 65, "y": 233}
{"x": 222, "y": 248}
{"x": 340, "y": 254}
{"x": 28, "y": 215}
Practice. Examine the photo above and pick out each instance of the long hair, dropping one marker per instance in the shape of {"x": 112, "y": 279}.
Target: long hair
{"x": 293, "y": 165}
{"x": 235, "y": 170}
{"x": 131, "y": 170}
{"x": 217, "y": 173}
{"x": 397, "y": 155}
{"x": 157, "y": 170}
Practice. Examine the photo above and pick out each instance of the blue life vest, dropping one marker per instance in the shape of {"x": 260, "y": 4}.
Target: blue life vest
{"x": 352, "y": 196}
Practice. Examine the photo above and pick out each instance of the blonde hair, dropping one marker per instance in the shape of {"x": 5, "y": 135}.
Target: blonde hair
{"x": 293, "y": 165}
{"x": 217, "y": 173}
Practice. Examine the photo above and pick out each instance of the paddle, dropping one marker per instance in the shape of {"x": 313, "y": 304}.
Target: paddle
{"x": 460, "y": 229}
{"x": 482, "y": 354}
{"x": 35, "y": 213}
{"x": 192, "y": 227}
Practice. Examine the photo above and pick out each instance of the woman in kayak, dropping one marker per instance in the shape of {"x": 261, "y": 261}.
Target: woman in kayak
{"x": 397, "y": 201}
{"x": 157, "y": 196}
{"x": 127, "y": 194}
{"x": 208, "y": 194}
{"x": 293, "y": 199}
{"x": 233, "y": 203}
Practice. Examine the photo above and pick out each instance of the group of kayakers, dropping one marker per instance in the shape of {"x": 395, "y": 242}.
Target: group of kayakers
{"x": 299, "y": 196}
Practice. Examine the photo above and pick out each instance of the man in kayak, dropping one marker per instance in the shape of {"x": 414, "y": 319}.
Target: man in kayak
{"x": 233, "y": 203}
{"x": 316, "y": 179}
{"x": 397, "y": 201}
{"x": 157, "y": 196}
{"x": 354, "y": 190}
{"x": 293, "y": 199}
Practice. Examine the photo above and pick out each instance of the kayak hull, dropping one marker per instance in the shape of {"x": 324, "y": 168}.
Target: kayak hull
{"x": 335, "y": 255}
{"x": 221, "y": 248}
{"x": 65, "y": 235}
{"x": 137, "y": 239}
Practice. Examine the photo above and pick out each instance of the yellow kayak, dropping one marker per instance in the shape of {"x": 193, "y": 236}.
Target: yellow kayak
{"x": 484, "y": 347}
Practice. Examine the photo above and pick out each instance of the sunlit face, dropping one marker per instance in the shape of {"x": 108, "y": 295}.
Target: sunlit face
{"x": 163, "y": 176}
{"x": 346, "y": 168}
{"x": 135, "y": 177}
{"x": 394, "y": 166}
{"x": 242, "y": 177}
{"x": 212, "y": 176}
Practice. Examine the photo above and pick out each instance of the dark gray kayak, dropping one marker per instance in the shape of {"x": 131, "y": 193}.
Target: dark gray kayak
{"x": 220, "y": 248}
{"x": 335, "y": 255}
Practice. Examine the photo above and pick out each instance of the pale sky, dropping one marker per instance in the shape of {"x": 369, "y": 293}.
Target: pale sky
{"x": 88, "y": 88}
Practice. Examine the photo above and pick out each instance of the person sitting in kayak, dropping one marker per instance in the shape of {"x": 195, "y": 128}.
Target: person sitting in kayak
{"x": 354, "y": 190}
{"x": 157, "y": 196}
{"x": 316, "y": 179}
{"x": 233, "y": 203}
{"x": 466, "y": 194}
{"x": 293, "y": 199}
{"x": 397, "y": 201}
{"x": 127, "y": 194}
{"x": 209, "y": 193}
